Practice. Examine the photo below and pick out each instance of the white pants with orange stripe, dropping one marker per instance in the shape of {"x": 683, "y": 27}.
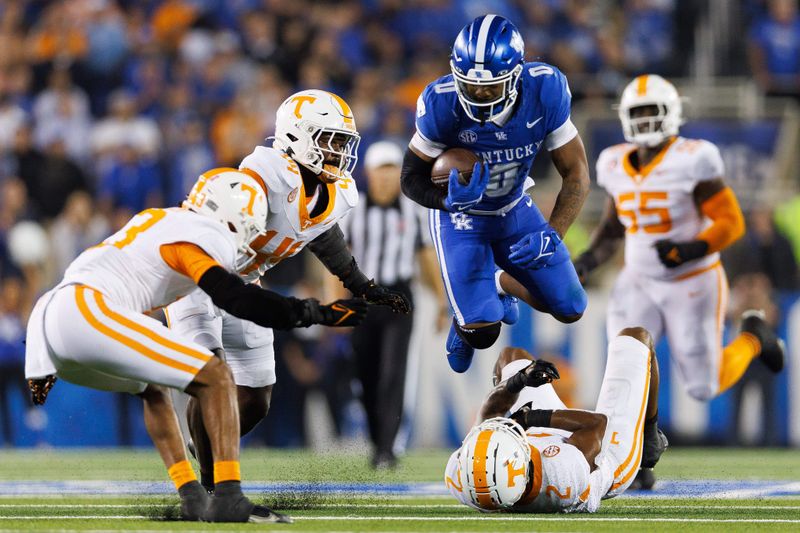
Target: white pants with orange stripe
{"x": 623, "y": 399}
{"x": 248, "y": 346}
{"x": 98, "y": 344}
{"x": 689, "y": 311}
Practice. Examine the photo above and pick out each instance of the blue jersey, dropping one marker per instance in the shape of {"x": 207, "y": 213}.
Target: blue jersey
{"x": 541, "y": 115}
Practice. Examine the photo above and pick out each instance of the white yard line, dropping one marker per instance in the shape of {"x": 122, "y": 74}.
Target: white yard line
{"x": 482, "y": 518}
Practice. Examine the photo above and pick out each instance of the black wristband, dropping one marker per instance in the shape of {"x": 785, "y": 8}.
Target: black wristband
{"x": 538, "y": 417}
{"x": 515, "y": 383}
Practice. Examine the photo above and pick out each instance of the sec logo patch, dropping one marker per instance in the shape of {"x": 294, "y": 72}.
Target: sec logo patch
{"x": 467, "y": 136}
{"x": 551, "y": 451}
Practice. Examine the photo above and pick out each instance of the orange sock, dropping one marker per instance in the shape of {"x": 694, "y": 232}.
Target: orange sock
{"x": 227, "y": 471}
{"x": 181, "y": 473}
{"x": 736, "y": 358}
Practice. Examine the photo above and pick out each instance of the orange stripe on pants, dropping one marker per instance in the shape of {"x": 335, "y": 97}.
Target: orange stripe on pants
{"x": 638, "y": 436}
{"x": 149, "y": 333}
{"x": 80, "y": 299}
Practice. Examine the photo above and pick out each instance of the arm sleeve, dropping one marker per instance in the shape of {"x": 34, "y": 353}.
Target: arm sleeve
{"x": 250, "y": 302}
{"x": 415, "y": 180}
{"x": 557, "y": 100}
{"x": 187, "y": 259}
{"x": 331, "y": 249}
{"x": 727, "y": 220}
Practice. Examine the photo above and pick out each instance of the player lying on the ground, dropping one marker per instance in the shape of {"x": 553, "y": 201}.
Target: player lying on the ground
{"x": 92, "y": 330}
{"x": 306, "y": 177}
{"x": 503, "y": 109}
{"x": 669, "y": 204}
{"x": 529, "y": 453}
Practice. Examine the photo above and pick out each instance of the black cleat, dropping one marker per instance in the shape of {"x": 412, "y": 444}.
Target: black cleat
{"x": 261, "y": 515}
{"x": 645, "y": 480}
{"x": 773, "y": 350}
{"x": 654, "y": 446}
{"x": 194, "y": 501}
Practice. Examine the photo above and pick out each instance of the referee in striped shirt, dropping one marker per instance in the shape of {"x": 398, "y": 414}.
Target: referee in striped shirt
{"x": 388, "y": 234}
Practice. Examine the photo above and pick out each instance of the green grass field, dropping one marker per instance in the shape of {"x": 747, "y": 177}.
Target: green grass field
{"x": 324, "y": 511}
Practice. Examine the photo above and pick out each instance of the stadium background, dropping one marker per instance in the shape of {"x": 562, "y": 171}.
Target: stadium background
{"x": 108, "y": 107}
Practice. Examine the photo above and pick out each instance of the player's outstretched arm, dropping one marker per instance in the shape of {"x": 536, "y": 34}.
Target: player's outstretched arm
{"x": 415, "y": 180}
{"x": 331, "y": 249}
{"x": 271, "y": 310}
{"x": 604, "y": 243}
{"x": 570, "y": 161}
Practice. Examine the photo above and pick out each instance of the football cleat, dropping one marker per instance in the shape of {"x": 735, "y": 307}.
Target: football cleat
{"x": 194, "y": 501}
{"x": 773, "y": 349}
{"x": 459, "y": 353}
{"x": 264, "y": 515}
{"x": 654, "y": 447}
{"x": 645, "y": 480}
{"x": 510, "y": 309}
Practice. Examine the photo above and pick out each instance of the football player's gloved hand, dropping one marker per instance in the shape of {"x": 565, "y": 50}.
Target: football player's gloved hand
{"x": 673, "y": 254}
{"x": 584, "y": 265}
{"x": 379, "y": 295}
{"x": 40, "y": 388}
{"x": 534, "y": 375}
{"x": 339, "y": 314}
{"x": 536, "y": 250}
{"x": 465, "y": 197}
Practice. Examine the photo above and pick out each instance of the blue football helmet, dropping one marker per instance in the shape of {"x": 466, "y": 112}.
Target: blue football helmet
{"x": 486, "y": 63}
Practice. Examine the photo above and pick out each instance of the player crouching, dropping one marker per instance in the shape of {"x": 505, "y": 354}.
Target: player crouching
{"x": 529, "y": 453}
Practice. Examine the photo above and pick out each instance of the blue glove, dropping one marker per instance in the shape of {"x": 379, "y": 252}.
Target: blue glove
{"x": 465, "y": 197}
{"x": 538, "y": 249}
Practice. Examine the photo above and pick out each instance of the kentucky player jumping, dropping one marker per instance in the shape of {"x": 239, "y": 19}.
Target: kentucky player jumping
{"x": 504, "y": 110}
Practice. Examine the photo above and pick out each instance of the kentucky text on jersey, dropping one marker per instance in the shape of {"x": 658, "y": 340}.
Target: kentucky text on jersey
{"x": 540, "y": 115}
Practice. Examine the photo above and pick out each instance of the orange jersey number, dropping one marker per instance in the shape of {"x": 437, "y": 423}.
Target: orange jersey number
{"x": 152, "y": 216}
{"x": 635, "y": 205}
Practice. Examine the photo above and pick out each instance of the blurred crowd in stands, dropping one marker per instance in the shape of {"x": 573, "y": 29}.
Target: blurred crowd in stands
{"x": 111, "y": 106}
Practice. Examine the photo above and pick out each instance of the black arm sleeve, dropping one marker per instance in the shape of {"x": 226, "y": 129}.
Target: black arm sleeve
{"x": 415, "y": 180}
{"x": 331, "y": 249}
{"x": 250, "y": 302}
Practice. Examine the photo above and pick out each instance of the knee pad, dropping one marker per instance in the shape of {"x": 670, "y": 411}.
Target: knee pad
{"x": 479, "y": 338}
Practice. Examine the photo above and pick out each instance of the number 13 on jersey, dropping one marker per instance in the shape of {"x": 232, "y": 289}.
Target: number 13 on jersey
{"x": 644, "y": 210}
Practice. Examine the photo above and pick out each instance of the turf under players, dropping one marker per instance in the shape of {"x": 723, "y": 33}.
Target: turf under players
{"x": 504, "y": 109}
{"x": 529, "y": 453}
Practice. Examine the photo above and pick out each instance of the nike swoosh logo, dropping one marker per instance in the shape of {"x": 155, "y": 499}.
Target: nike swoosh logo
{"x": 532, "y": 124}
{"x": 342, "y": 309}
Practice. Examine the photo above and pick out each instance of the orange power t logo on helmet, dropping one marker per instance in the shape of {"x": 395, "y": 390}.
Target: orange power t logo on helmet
{"x": 299, "y": 101}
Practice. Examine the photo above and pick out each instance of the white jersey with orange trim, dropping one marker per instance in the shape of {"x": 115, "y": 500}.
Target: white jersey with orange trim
{"x": 128, "y": 268}
{"x": 289, "y": 226}
{"x": 656, "y": 202}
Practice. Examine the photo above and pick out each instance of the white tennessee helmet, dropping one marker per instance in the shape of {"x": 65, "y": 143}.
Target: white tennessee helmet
{"x": 237, "y": 200}
{"x": 650, "y": 130}
{"x": 495, "y": 463}
{"x": 316, "y": 129}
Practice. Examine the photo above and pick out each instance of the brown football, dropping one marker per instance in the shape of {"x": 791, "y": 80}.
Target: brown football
{"x": 459, "y": 158}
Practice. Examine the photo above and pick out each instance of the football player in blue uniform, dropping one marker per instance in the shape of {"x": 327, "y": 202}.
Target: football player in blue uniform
{"x": 504, "y": 110}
